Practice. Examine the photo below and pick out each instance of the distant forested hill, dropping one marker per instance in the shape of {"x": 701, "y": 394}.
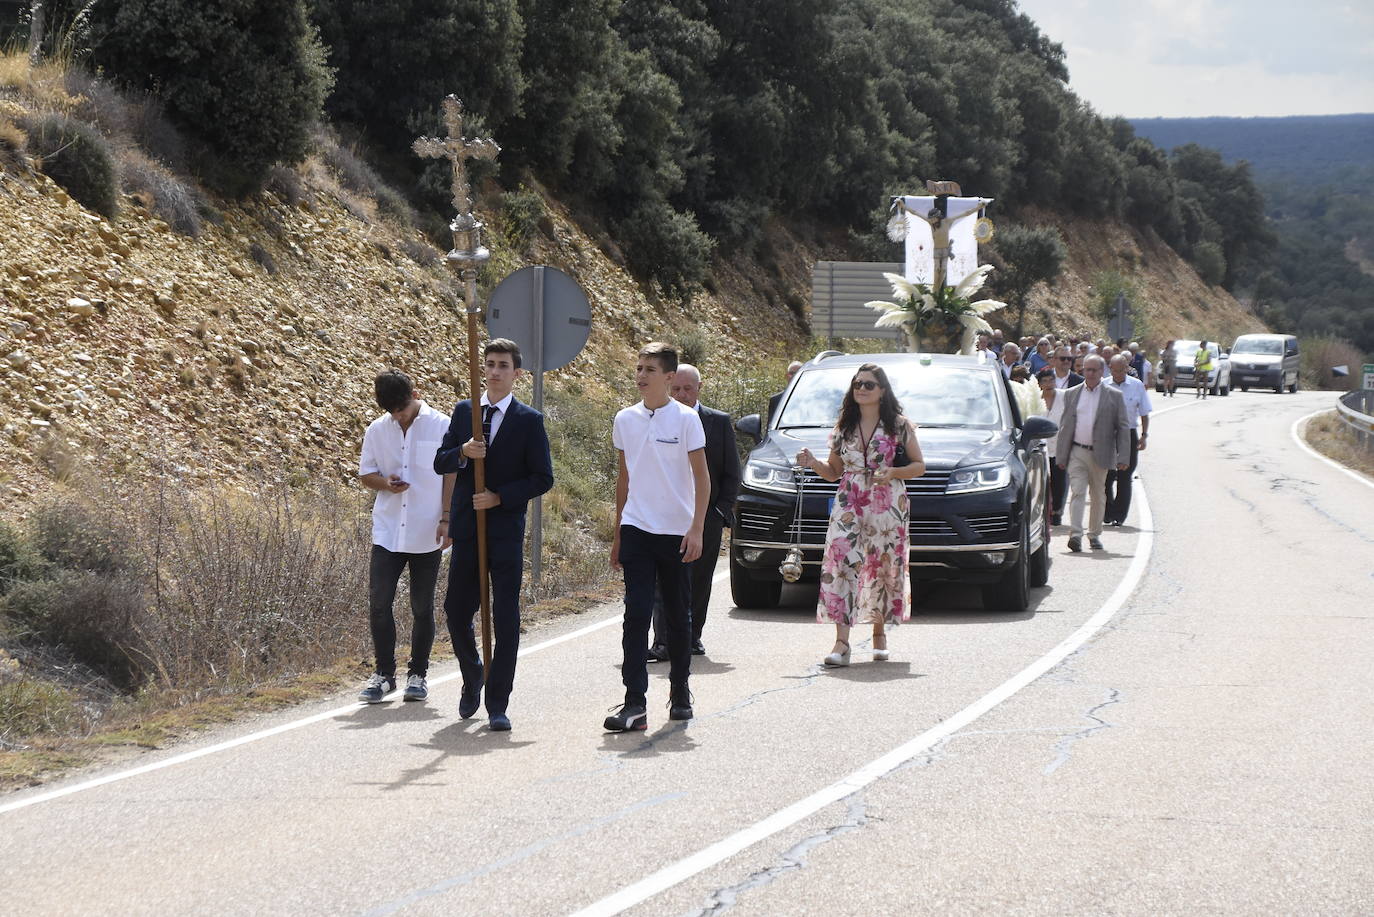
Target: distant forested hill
{"x": 1317, "y": 178}
{"x": 1313, "y": 147}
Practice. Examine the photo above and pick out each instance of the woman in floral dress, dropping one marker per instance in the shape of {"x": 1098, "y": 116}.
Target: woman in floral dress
{"x": 864, "y": 572}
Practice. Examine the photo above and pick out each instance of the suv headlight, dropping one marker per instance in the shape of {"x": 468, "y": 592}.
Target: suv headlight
{"x": 974, "y": 480}
{"x": 770, "y": 477}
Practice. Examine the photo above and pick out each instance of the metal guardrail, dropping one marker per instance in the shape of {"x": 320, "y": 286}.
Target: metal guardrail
{"x": 1356, "y": 411}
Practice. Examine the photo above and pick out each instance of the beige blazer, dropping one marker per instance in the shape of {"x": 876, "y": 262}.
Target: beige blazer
{"x": 1111, "y": 429}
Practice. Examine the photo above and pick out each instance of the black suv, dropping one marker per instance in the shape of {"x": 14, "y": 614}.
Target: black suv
{"x": 977, "y": 514}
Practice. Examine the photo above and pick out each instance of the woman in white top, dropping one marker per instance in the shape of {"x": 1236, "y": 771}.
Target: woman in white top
{"x": 1054, "y": 410}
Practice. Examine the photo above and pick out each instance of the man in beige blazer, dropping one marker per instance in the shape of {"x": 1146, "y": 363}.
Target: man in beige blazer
{"x": 1094, "y": 438}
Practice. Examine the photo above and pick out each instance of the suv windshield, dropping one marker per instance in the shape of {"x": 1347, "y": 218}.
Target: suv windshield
{"x": 1270, "y": 346}
{"x": 932, "y": 396}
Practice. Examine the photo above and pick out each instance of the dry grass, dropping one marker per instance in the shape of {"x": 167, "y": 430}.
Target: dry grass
{"x": 1329, "y": 435}
{"x": 1320, "y": 354}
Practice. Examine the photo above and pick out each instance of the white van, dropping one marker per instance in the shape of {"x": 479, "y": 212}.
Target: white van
{"x": 1265, "y": 361}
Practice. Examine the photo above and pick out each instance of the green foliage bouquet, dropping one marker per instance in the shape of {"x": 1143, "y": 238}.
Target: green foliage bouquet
{"x": 935, "y": 319}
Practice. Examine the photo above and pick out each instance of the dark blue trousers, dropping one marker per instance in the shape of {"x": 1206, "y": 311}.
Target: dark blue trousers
{"x": 651, "y": 561}
{"x": 506, "y": 562}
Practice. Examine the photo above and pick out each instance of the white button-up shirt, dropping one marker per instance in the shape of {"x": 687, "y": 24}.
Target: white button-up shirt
{"x": 1136, "y": 396}
{"x": 406, "y": 522}
{"x": 502, "y": 407}
{"x": 1087, "y": 414}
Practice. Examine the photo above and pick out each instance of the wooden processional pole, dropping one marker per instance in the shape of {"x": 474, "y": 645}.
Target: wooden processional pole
{"x": 467, "y": 256}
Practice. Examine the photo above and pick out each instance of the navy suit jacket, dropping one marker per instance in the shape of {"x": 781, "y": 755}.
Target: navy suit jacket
{"x": 518, "y": 468}
{"x": 722, "y": 461}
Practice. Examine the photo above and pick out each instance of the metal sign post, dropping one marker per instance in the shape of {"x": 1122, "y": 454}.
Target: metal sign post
{"x": 544, "y": 311}
{"x": 1121, "y": 325}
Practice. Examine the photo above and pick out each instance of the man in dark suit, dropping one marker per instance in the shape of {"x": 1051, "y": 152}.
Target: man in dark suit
{"x": 1094, "y": 438}
{"x": 775, "y": 400}
{"x": 722, "y": 464}
{"x": 518, "y": 469}
{"x": 1064, "y": 376}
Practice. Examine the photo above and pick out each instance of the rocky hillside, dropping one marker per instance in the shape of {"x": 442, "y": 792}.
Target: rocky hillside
{"x": 248, "y": 353}
{"x": 131, "y": 349}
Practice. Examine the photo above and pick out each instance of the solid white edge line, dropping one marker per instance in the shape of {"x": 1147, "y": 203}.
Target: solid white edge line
{"x": 277, "y": 730}
{"x": 785, "y": 818}
{"x": 1293, "y": 431}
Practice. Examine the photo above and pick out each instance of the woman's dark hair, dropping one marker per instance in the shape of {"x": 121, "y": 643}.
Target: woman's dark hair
{"x": 394, "y": 390}
{"x": 1044, "y": 374}
{"x": 888, "y": 407}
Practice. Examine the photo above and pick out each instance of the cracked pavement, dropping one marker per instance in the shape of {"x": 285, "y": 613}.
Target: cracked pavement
{"x": 1206, "y": 751}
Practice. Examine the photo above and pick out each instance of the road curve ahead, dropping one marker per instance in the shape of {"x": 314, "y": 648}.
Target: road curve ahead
{"x": 1180, "y": 724}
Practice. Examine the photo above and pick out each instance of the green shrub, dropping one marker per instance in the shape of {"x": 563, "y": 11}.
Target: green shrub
{"x": 1210, "y": 262}
{"x": 94, "y": 617}
{"x": 693, "y": 346}
{"x": 19, "y": 560}
{"x": 75, "y": 156}
{"x": 245, "y": 78}
{"x": 667, "y": 247}
{"x": 78, "y": 536}
{"x": 521, "y": 212}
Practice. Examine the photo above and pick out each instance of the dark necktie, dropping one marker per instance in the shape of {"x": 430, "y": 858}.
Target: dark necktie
{"x": 487, "y": 412}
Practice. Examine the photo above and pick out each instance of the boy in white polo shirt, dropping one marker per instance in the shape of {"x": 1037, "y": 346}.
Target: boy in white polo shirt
{"x": 661, "y": 498}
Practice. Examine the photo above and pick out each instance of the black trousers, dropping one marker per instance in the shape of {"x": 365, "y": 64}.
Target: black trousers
{"x": 703, "y": 571}
{"x": 1059, "y": 488}
{"x": 506, "y": 564}
{"x": 1119, "y": 485}
{"x": 383, "y": 575}
{"x": 654, "y": 562}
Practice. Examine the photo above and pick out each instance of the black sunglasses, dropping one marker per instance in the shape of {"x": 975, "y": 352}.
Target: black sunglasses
{"x": 1065, "y": 359}
{"x": 867, "y": 385}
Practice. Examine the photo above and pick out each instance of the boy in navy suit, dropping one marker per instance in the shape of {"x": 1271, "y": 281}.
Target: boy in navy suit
{"x": 518, "y": 469}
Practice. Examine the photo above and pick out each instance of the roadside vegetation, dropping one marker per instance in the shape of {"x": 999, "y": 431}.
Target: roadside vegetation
{"x": 1329, "y": 435}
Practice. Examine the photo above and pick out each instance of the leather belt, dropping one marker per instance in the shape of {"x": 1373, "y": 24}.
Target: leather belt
{"x": 1083, "y": 446}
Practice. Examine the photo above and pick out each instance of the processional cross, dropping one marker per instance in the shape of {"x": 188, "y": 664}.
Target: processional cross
{"x": 467, "y": 256}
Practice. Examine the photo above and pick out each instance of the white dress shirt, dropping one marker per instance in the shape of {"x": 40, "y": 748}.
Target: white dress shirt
{"x": 406, "y": 522}
{"x": 1087, "y": 414}
{"x": 502, "y": 407}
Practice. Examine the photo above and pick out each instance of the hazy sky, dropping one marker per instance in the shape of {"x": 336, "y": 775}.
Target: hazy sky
{"x": 1193, "y": 58}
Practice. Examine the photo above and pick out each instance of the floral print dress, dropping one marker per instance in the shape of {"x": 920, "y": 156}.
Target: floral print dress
{"x": 864, "y": 571}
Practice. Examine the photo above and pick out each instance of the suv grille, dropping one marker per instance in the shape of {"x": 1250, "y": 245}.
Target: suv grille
{"x": 754, "y": 522}
{"x": 930, "y": 483}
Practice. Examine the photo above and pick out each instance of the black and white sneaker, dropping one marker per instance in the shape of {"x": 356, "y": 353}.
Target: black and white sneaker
{"x": 628, "y": 718}
{"x": 377, "y": 687}
{"x": 416, "y": 689}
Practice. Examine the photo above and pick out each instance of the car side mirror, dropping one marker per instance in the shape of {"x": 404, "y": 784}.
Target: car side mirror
{"x": 1039, "y": 428}
{"x": 750, "y": 426}
{"x": 1226, "y": 355}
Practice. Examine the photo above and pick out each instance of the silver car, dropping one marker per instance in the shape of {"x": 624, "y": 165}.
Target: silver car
{"x": 1218, "y": 381}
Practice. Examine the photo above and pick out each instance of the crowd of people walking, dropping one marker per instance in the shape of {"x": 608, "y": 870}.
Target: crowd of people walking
{"x": 678, "y": 479}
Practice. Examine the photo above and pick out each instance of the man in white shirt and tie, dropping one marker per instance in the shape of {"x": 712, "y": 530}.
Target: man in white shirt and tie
{"x": 1137, "y": 398}
{"x": 1094, "y": 438}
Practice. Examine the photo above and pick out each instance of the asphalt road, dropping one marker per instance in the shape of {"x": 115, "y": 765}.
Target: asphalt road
{"x": 1181, "y": 724}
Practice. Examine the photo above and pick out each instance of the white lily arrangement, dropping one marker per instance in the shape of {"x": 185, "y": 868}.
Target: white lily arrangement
{"x": 919, "y": 310}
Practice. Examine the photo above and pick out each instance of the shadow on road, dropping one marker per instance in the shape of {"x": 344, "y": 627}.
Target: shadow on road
{"x": 375, "y": 716}
{"x": 869, "y": 672}
{"x": 670, "y": 738}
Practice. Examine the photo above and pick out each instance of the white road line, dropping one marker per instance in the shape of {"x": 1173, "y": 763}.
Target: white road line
{"x": 278, "y": 730}
{"x": 1293, "y": 431}
{"x": 785, "y": 818}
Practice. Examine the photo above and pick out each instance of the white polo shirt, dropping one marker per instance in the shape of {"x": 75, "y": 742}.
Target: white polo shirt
{"x": 1136, "y": 396}
{"x": 662, "y": 498}
{"x": 406, "y": 522}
